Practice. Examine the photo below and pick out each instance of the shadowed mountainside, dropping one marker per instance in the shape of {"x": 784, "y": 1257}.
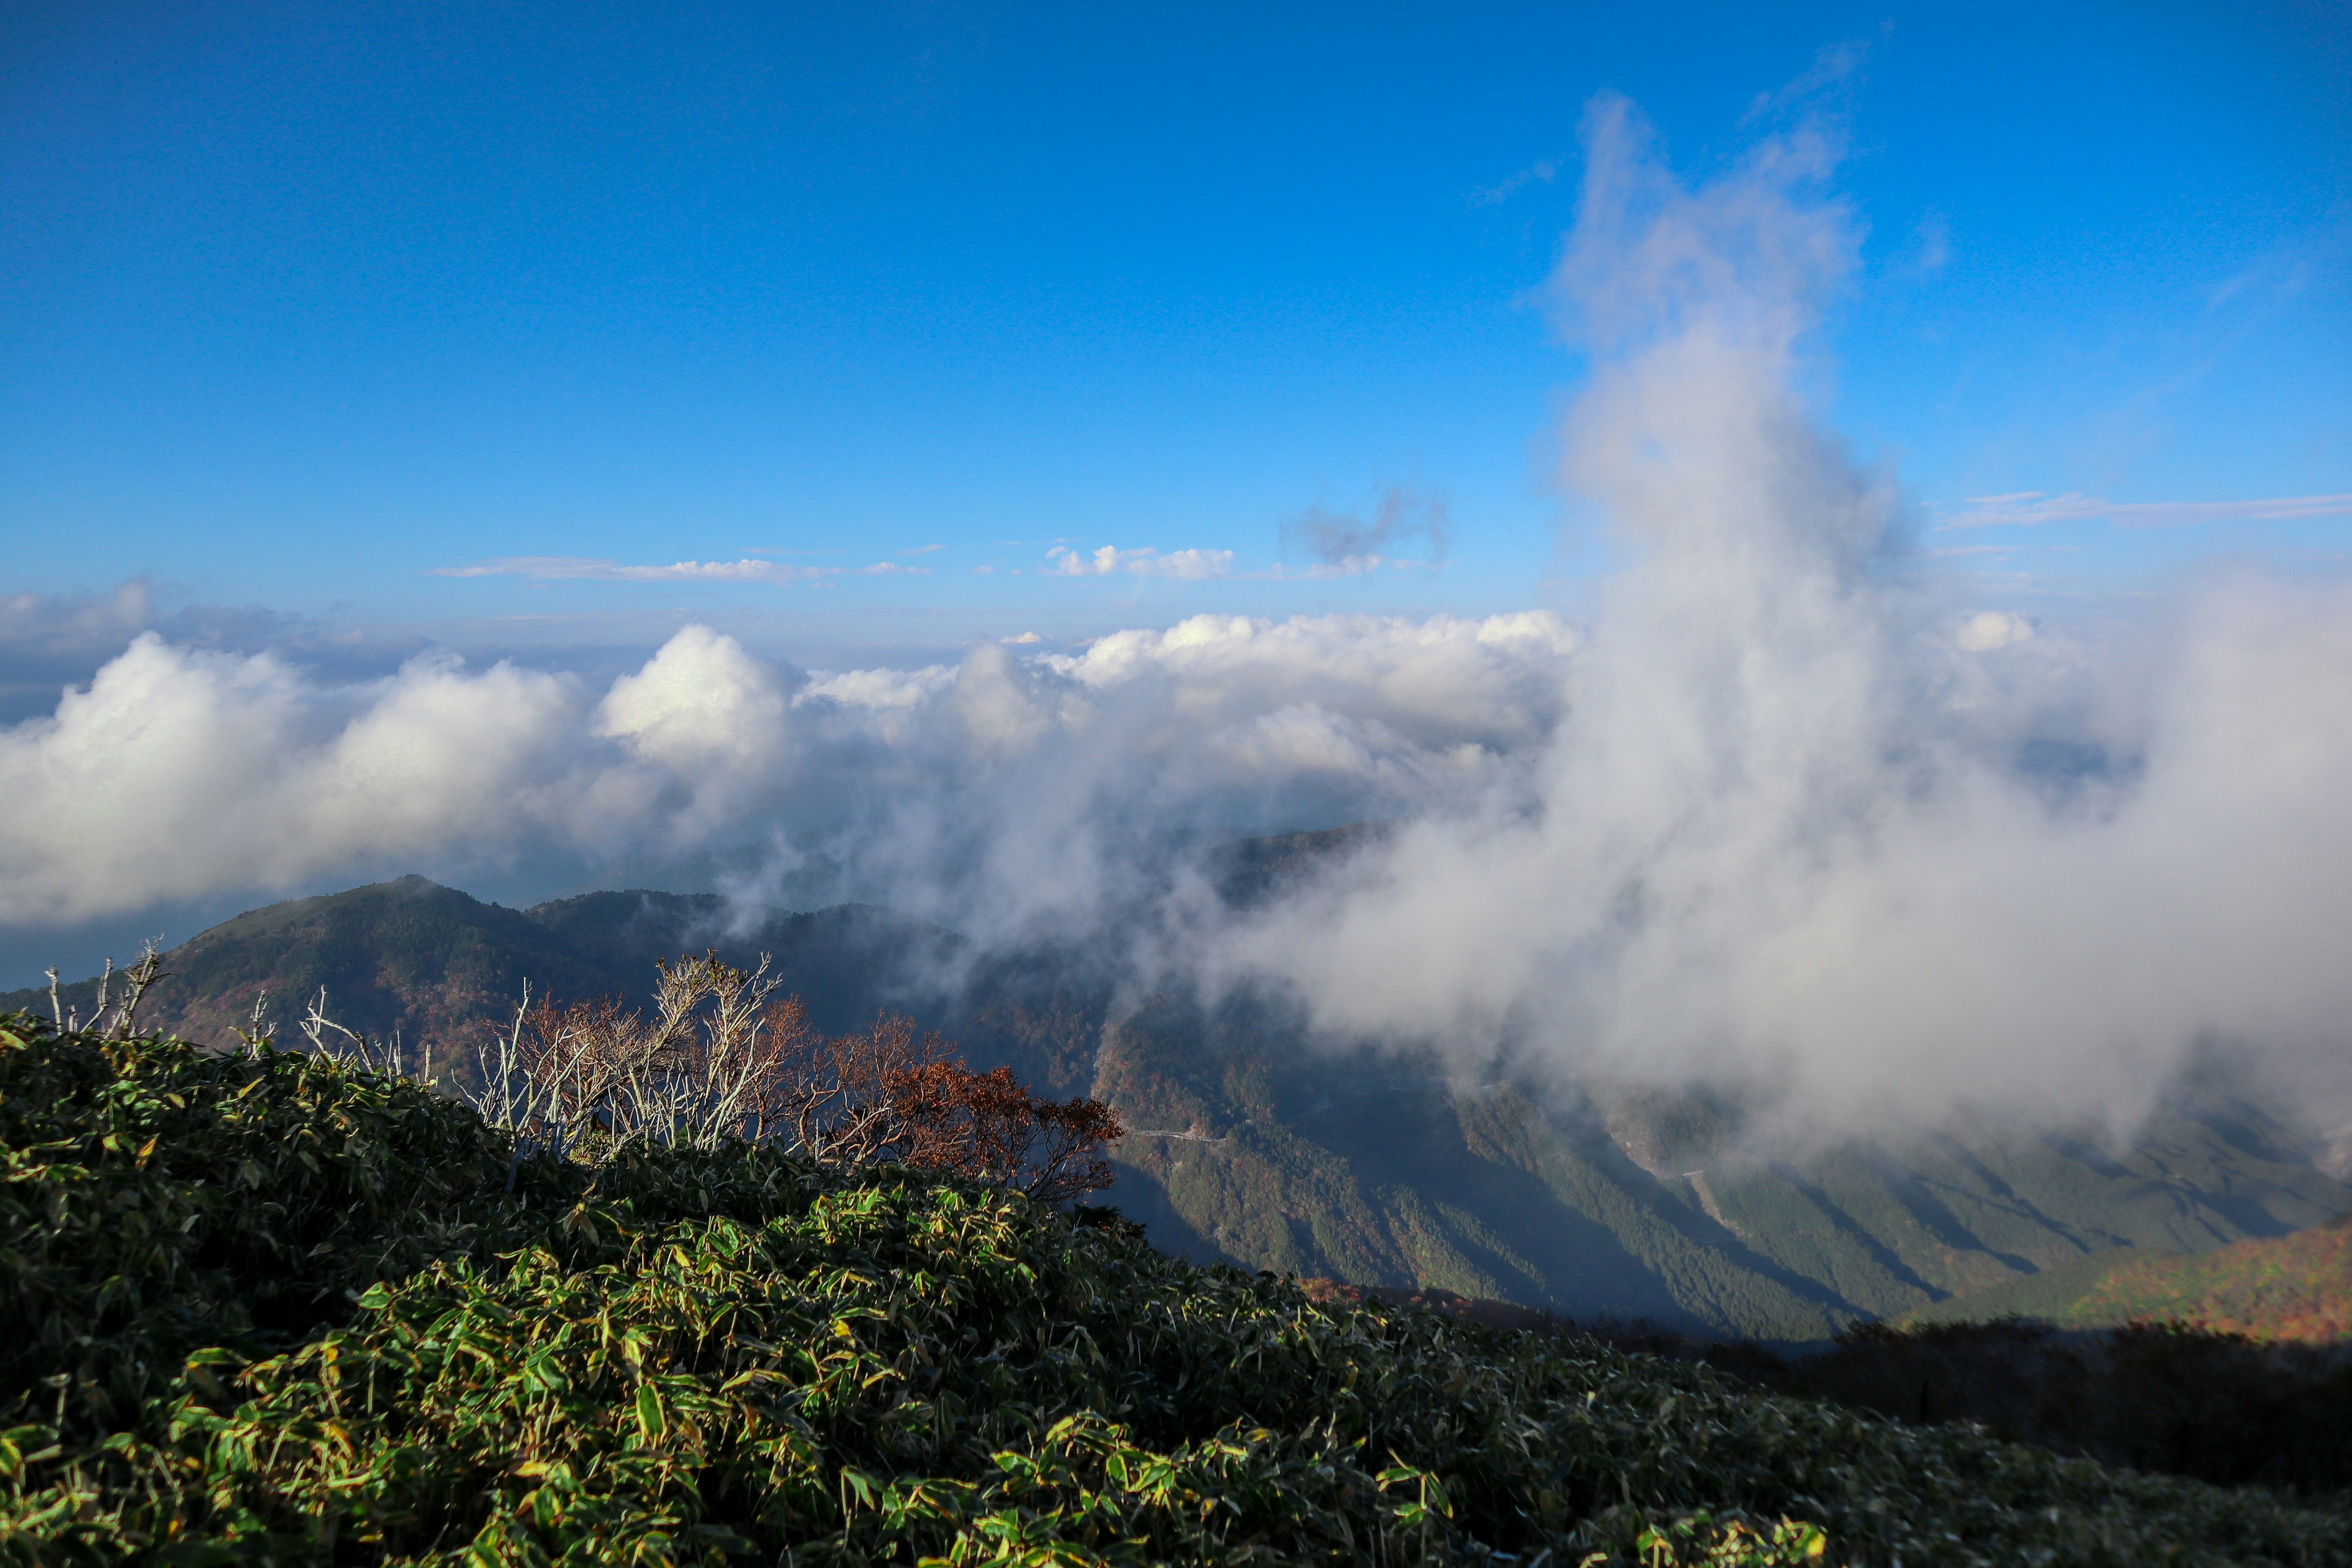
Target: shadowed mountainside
{"x": 436, "y": 964}
{"x": 1380, "y": 1171}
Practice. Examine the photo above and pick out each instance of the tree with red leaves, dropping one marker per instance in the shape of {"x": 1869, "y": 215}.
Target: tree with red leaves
{"x": 721, "y": 1059}
{"x": 989, "y": 1127}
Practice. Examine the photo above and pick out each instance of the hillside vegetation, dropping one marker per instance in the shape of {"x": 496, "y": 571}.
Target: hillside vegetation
{"x": 2293, "y": 1288}
{"x": 281, "y": 1310}
{"x": 1251, "y": 1144}
{"x": 2150, "y": 1395}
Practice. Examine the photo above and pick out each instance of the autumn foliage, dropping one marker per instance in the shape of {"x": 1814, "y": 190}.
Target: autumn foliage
{"x": 720, "y": 1056}
{"x": 988, "y": 1126}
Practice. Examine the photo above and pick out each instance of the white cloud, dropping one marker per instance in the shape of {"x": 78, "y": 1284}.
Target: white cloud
{"x": 895, "y": 689}
{"x": 1193, "y": 565}
{"x": 581, "y": 568}
{"x": 712, "y": 719}
{"x": 178, "y": 773}
{"x": 2029, "y": 507}
{"x": 1990, "y": 629}
{"x": 1784, "y": 832}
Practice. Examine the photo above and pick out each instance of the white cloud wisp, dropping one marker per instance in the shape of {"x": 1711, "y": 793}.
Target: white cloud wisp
{"x": 584, "y": 569}
{"x": 2032, "y": 508}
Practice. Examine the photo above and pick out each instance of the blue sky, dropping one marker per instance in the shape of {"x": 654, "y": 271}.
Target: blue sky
{"x": 308, "y": 308}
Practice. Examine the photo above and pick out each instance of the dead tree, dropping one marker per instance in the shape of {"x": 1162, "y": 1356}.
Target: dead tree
{"x": 719, "y": 1057}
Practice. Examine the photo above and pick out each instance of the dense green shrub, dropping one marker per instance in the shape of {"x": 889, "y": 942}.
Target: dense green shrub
{"x": 295, "y": 1313}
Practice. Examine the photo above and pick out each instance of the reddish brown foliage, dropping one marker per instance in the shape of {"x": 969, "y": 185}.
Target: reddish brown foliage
{"x": 2289, "y": 1288}
{"x": 721, "y": 1059}
{"x": 841, "y": 1095}
{"x": 988, "y": 1126}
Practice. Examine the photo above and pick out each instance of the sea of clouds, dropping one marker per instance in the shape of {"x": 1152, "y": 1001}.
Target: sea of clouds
{"x": 1783, "y": 810}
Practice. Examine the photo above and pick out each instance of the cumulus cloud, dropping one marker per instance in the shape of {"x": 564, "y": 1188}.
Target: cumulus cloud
{"x": 709, "y": 715}
{"x": 1189, "y": 564}
{"x": 178, "y": 772}
{"x": 1990, "y": 629}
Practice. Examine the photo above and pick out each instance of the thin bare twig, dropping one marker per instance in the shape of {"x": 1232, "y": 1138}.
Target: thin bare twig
{"x": 259, "y": 1033}
{"x": 137, "y": 980}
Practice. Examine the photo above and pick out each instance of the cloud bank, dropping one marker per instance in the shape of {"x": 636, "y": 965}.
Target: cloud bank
{"x": 181, "y": 772}
{"x": 1782, "y": 812}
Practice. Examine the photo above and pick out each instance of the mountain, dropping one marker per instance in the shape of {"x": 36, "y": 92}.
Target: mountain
{"x": 1377, "y": 1171}
{"x": 435, "y": 965}
{"x": 1251, "y": 1144}
{"x": 2296, "y": 1287}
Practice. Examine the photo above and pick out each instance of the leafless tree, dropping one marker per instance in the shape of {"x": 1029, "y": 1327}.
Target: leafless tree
{"x": 137, "y": 981}
{"x": 594, "y": 1076}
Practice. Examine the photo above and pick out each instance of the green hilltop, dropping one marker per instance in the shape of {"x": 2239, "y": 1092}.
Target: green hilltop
{"x": 273, "y": 1308}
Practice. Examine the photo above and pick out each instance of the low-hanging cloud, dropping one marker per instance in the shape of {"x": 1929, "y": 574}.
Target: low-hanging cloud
{"x": 1786, "y": 810}
{"x": 179, "y": 772}
{"x": 1792, "y": 830}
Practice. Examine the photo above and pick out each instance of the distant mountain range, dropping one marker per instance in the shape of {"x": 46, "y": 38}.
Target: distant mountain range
{"x": 1367, "y": 1167}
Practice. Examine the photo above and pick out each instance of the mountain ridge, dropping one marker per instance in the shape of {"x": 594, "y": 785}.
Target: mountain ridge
{"x": 1258, "y": 1145}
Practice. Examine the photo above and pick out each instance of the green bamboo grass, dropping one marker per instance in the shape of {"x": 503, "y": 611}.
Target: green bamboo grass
{"x": 283, "y": 1311}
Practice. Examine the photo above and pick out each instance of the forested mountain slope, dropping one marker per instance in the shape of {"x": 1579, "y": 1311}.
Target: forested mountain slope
{"x": 1377, "y": 1171}
{"x": 2296, "y": 1287}
{"x": 1251, "y": 1146}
